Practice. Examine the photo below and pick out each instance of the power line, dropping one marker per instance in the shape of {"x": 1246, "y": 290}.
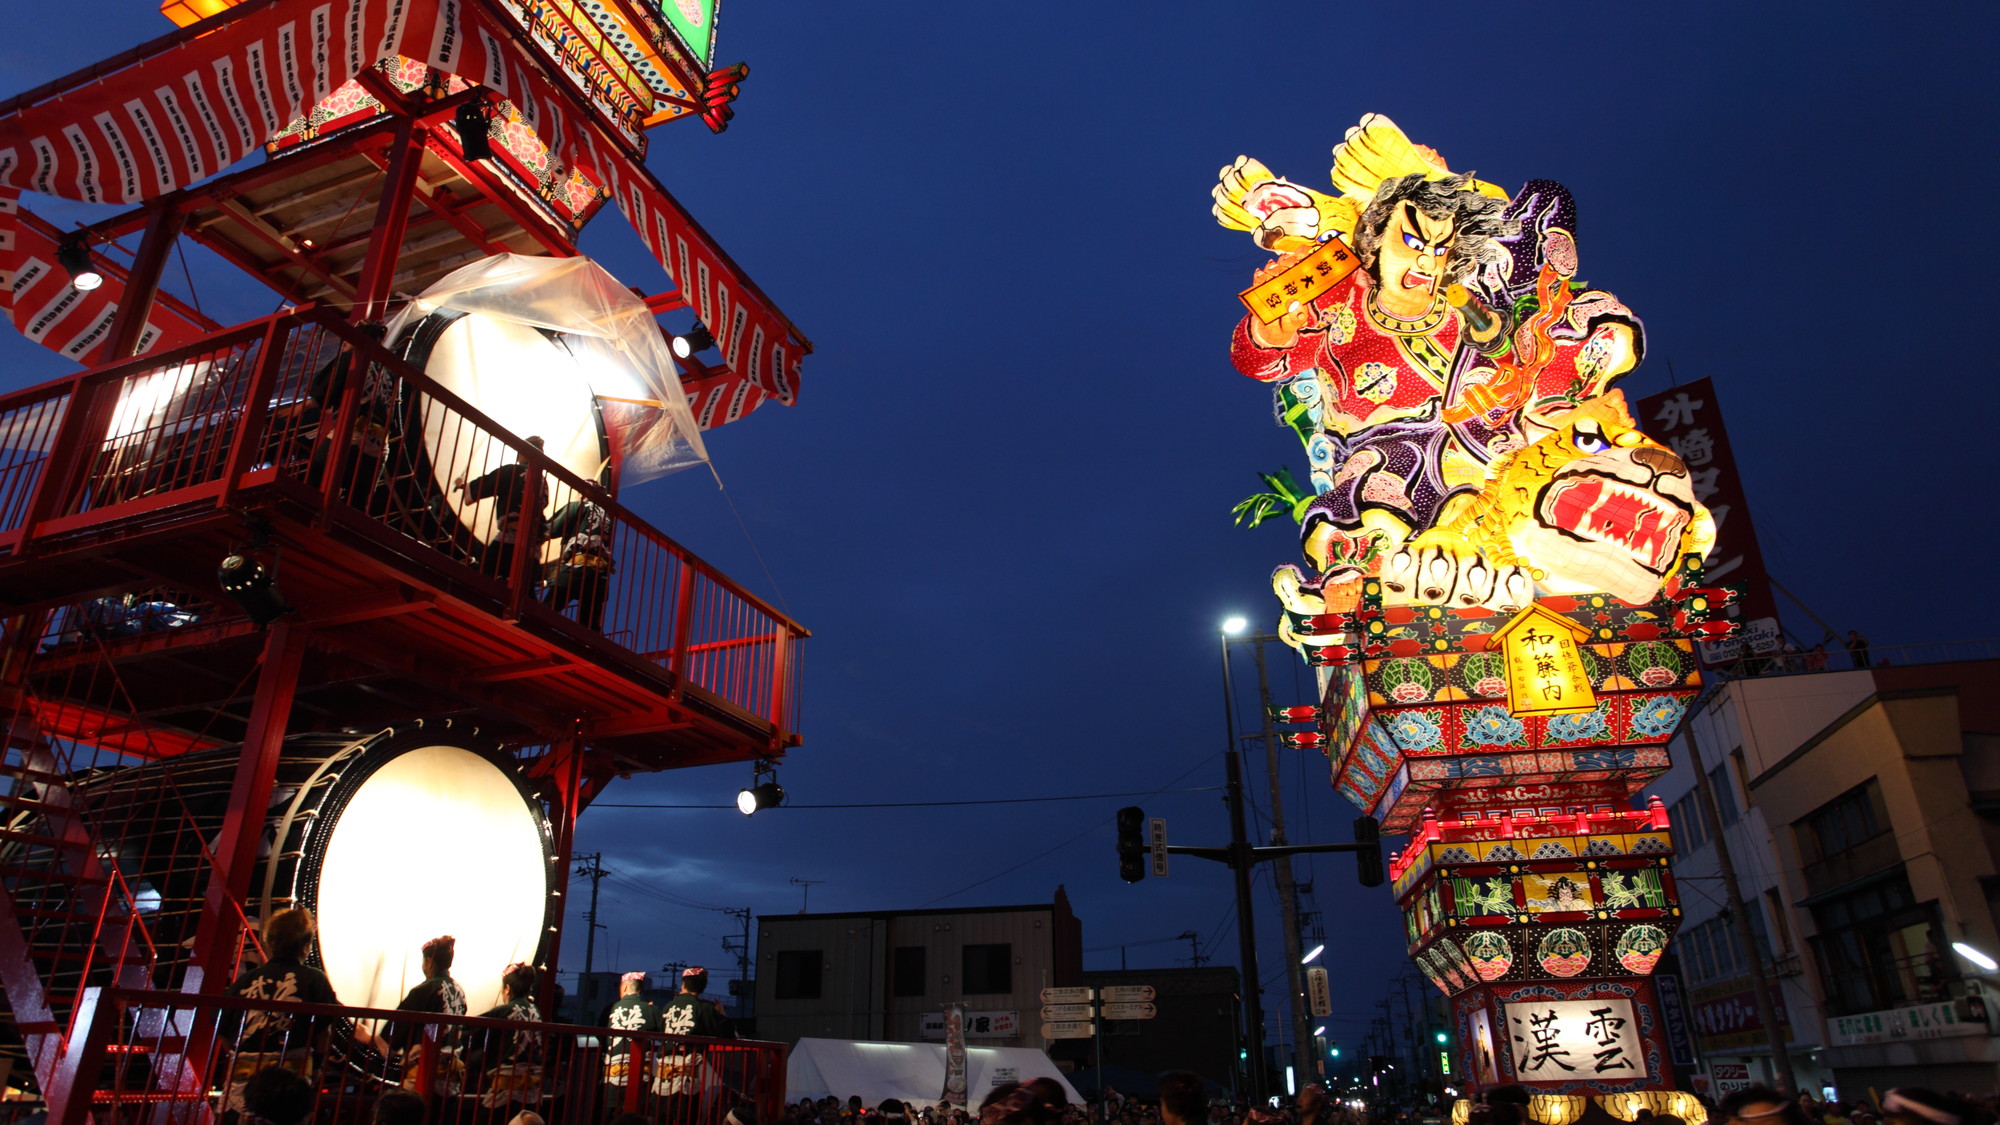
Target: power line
{"x": 928, "y": 804}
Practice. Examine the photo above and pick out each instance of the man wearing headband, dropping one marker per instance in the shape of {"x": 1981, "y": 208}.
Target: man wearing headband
{"x": 683, "y": 1076}
{"x": 632, "y": 1012}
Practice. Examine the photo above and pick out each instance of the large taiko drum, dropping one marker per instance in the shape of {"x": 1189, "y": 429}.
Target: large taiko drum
{"x": 530, "y": 381}
{"x": 390, "y": 839}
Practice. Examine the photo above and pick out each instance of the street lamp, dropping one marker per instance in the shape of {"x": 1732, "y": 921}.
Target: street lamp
{"x": 1310, "y": 957}
{"x": 1240, "y": 858}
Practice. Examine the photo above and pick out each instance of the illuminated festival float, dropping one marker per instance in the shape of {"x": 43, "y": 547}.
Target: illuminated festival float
{"x": 343, "y": 607}
{"x": 1501, "y": 590}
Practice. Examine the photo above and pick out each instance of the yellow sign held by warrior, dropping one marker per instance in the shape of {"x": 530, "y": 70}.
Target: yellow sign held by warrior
{"x": 1545, "y": 673}
{"x": 1296, "y": 285}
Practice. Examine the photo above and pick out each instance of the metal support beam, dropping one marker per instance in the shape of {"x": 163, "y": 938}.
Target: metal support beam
{"x": 142, "y": 284}
{"x": 385, "y": 239}
{"x": 249, "y": 796}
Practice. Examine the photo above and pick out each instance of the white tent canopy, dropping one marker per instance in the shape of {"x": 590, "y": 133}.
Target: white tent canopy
{"x": 911, "y": 1072}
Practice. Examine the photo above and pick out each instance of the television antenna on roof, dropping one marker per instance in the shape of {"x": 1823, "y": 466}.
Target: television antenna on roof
{"x": 806, "y": 895}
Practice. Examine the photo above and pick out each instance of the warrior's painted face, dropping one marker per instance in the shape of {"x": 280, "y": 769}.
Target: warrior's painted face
{"x": 1415, "y": 250}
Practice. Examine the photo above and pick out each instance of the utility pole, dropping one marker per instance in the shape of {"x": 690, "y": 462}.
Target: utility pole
{"x": 805, "y": 900}
{"x": 1194, "y": 949}
{"x": 1746, "y": 938}
{"x": 741, "y": 948}
{"x": 1288, "y": 896}
{"x": 591, "y": 867}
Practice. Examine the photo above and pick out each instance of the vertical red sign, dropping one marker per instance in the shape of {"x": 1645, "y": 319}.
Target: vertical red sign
{"x": 1688, "y": 420}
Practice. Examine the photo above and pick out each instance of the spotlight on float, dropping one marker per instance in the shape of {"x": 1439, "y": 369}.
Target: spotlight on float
{"x": 73, "y": 255}
{"x": 1986, "y": 964}
{"x": 764, "y": 791}
{"x": 474, "y": 129}
{"x": 696, "y": 339}
{"x": 247, "y": 583}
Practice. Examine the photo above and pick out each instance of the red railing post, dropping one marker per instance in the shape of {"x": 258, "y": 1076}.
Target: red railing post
{"x": 635, "y": 1070}
{"x": 256, "y": 409}
{"x": 526, "y": 559}
{"x": 66, "y": 454}
{"x": 683, "y": 614}
{"x": 780, "y": 682}
{"x": 94, "y": 1023}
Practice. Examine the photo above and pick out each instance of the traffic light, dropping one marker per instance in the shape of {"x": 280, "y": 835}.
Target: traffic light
{"x": 1132, "y": 844}
{"x": 1368, "y": 856}
{"x": 1335, "y": 1050}
{"x": 1441, "y": 1037}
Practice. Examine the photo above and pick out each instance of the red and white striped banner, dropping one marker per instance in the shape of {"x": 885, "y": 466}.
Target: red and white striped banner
{"x": 38, "y": 298}
{"x": 177, "y": 117}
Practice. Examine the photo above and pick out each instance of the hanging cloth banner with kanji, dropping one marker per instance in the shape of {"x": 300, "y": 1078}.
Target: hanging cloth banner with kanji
{"x": 197, "y": 106}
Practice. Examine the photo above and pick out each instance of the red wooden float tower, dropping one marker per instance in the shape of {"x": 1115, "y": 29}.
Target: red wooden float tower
{"x": 401, "y": 139}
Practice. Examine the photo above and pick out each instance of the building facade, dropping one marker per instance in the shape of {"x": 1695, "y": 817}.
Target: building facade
{"x": 1851, "y": 802}
{"x": 887, "y": 976}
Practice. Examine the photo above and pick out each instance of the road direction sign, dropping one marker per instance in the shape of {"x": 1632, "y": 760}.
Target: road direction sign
{"x": 1060, "y": 1012}
{"x": 1319, "y": 990}
{"x": 1156, "y": 839}
{"x": 1068, "y": 995}
{"x": 1127, "y": 993}
{"x": 1068, "y": 1029}
{"x": 1130, "y": 1011}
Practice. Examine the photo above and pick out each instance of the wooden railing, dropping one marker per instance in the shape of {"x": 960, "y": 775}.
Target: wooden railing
{"x": 305, "y": 398}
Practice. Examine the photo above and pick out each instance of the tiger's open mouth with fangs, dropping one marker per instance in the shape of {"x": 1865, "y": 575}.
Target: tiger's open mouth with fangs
{"x": 1603, "y": 509}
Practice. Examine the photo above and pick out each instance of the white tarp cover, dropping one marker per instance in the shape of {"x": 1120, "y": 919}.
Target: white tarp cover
{"x": 621, "y": 351}
{"x": 911, "y": 1072}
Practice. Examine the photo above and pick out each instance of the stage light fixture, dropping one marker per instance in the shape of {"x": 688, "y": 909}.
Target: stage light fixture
{"x": 764, "y": 791}
{"x": 696, "y": 339}
{"x": 73, "y": 255}
{"x": 474, "y": 129}
{"x": 247, "y": 583}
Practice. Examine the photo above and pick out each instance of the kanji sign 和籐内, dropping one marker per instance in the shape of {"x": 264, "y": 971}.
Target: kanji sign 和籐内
{"x": 1544, "y": 665}
{"x": 1561, "y": 1040}
{"x": 1299, "y": 283}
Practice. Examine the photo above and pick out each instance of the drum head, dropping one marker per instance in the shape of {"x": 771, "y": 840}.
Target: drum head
{"x": 528, "y": 383}
{"x": 433, "y": 840}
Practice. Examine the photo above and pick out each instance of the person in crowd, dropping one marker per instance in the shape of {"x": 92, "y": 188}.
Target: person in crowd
{"x": 270, "y": 1038}
{"x": 1183, "y": 1098}
{"x": 507, "y": 485}
{"x": 1016, "y": 1103}
{"x": 632, "y": 1012}
{"x": 436, "y": 994}
{"x": 1509, "y": 1104}
{"x": 399, "y": 1107}
{"x": 582, "y": 571}
{"x": 1857, "y": 648}
{"x": 1310, "y": 1107}
{"x": 1759, "y": 1105}
{"x": 512, "y": 1061}
{"x": 526, "y": 1117}
{"x": 1915, "y": 1105}
{"x": 276, "y": 1095}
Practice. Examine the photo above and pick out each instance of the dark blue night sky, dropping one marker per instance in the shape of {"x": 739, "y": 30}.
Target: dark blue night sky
{"x": 1002, "y": 502}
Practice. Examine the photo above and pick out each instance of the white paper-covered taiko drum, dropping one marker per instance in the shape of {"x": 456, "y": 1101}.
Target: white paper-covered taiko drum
{"x": 390, "y": 839}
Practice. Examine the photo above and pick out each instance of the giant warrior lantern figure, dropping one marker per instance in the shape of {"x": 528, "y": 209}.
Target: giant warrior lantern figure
{"x": 343, "y": 608}
{"x": 1501, "y": 588}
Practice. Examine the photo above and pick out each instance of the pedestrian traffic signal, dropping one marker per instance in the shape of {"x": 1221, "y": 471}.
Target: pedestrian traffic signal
{"x": 1132, "y": 843}
{"x": 1368, "y": 850}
